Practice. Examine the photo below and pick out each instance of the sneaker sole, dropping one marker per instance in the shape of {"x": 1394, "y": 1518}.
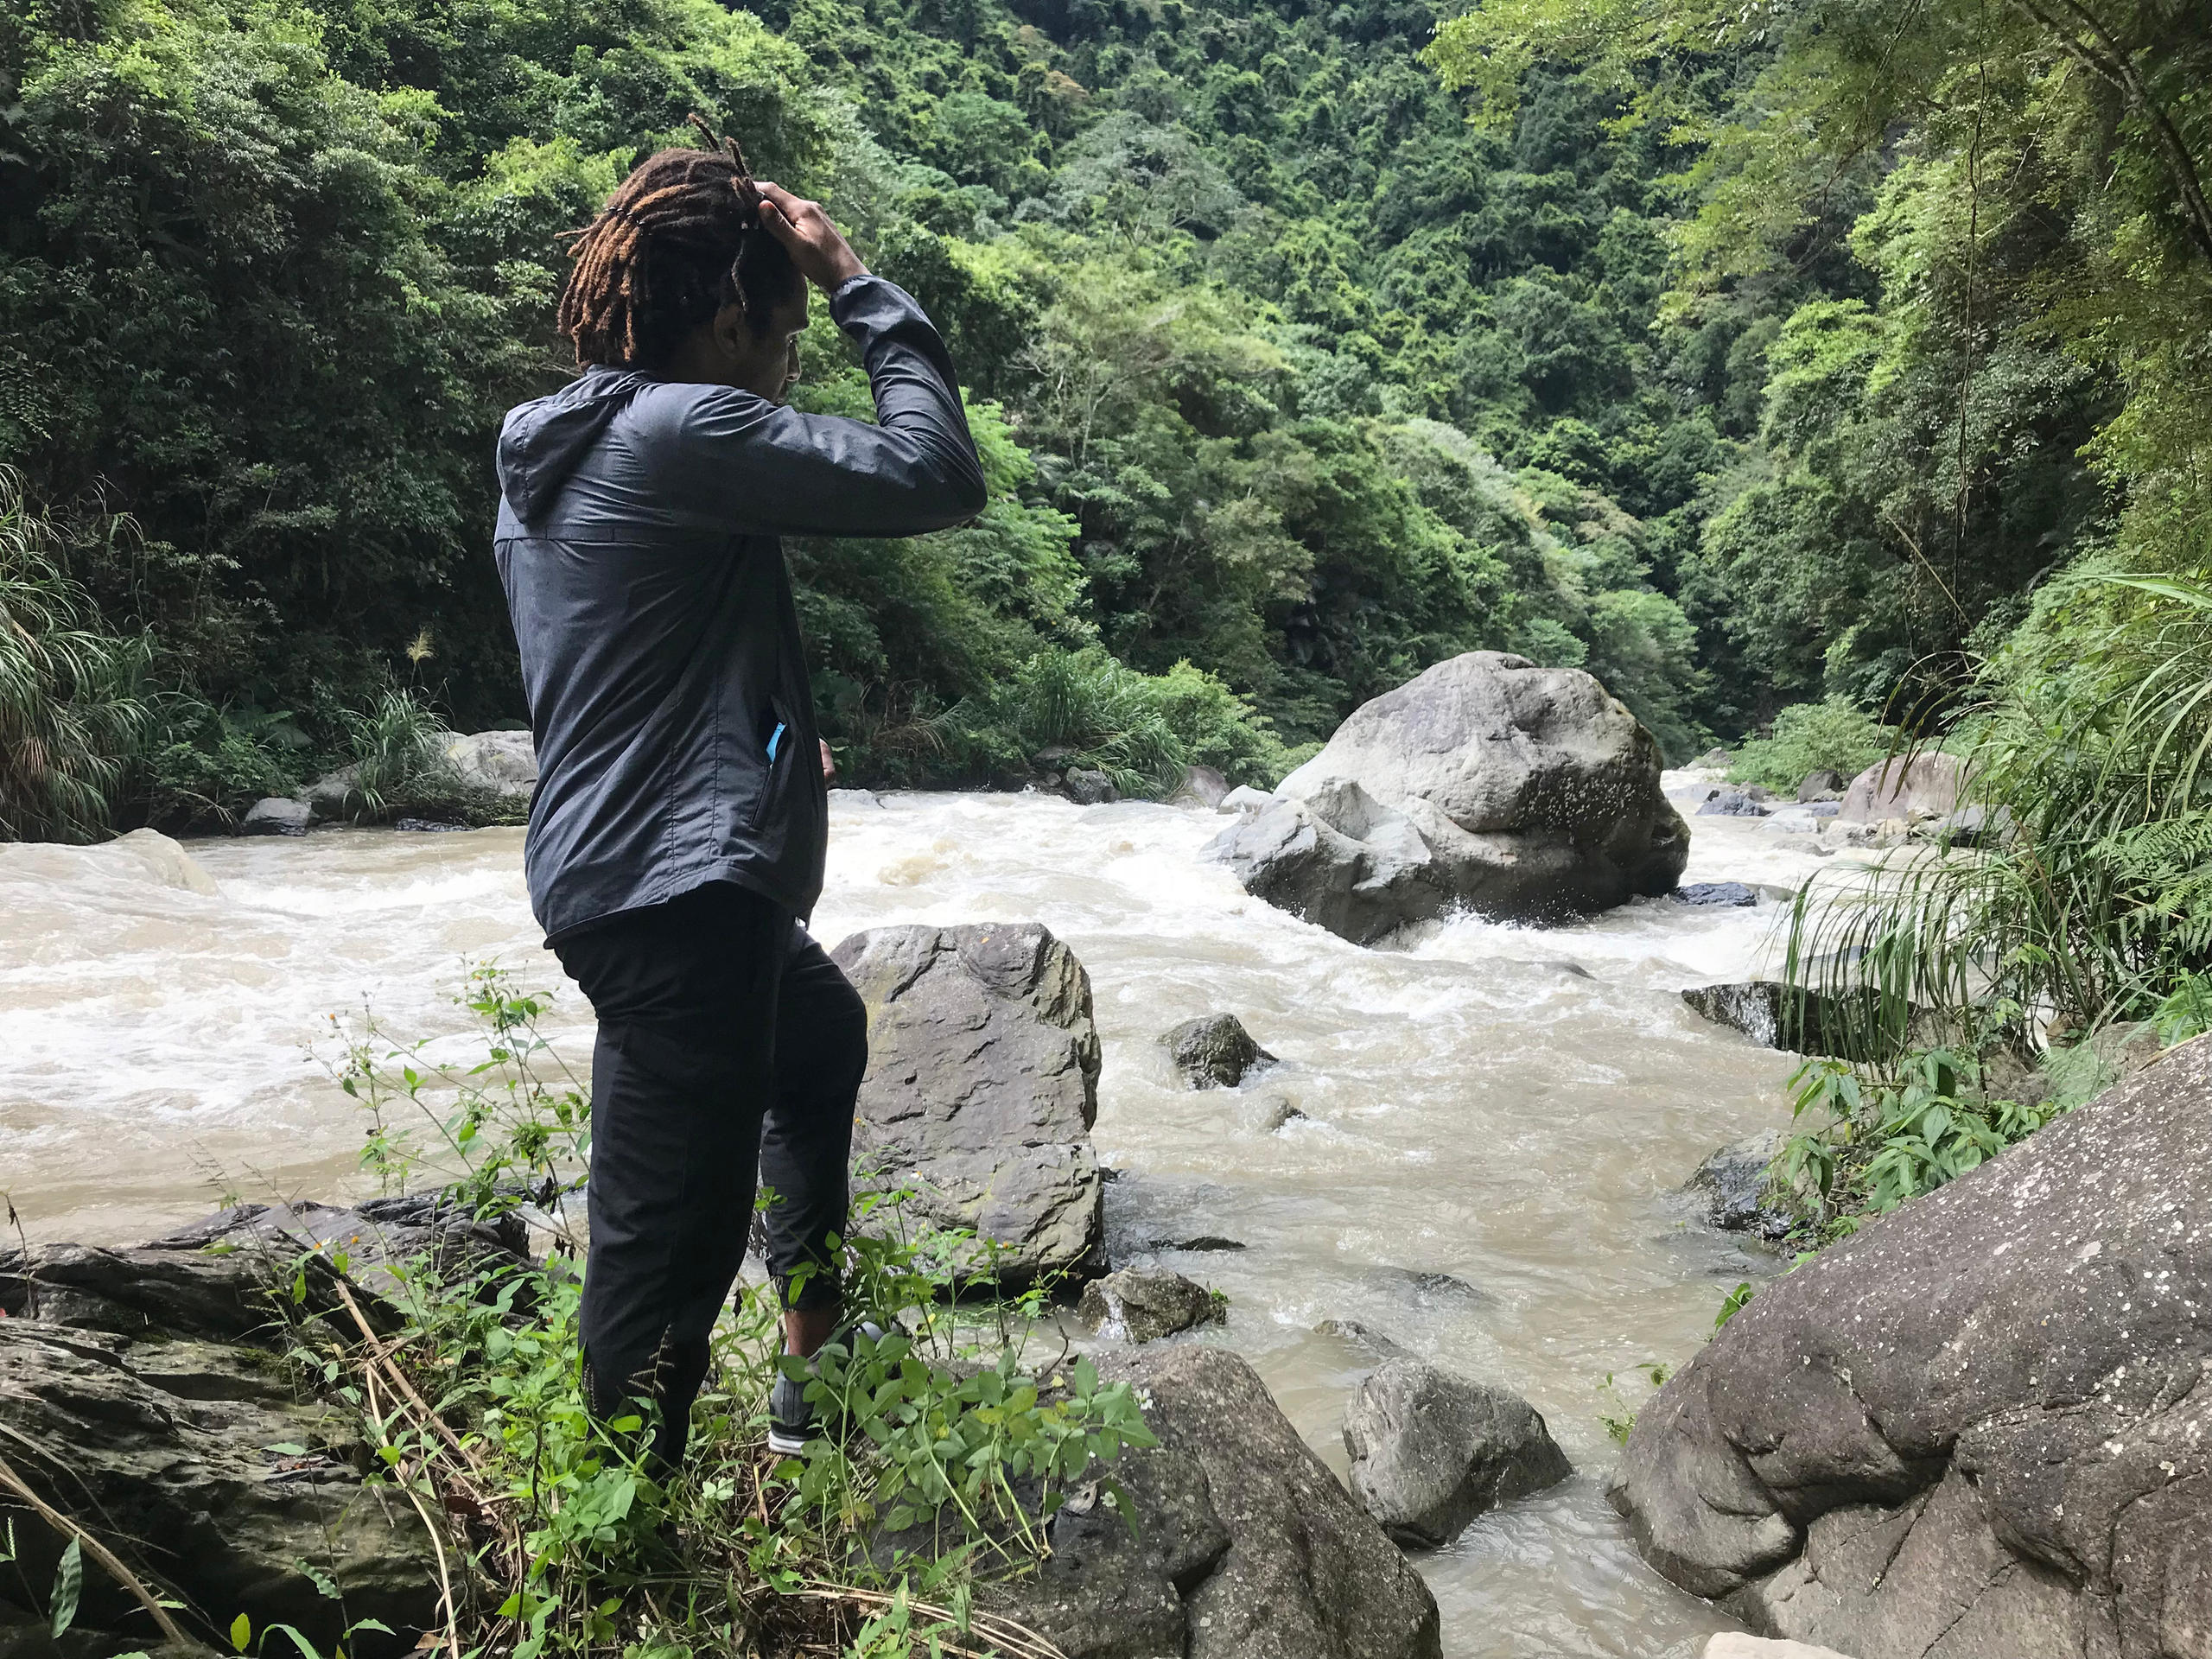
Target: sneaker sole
{"x": 790, "y": 1445}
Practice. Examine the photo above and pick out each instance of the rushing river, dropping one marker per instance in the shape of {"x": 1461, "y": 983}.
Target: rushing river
{"x": 1484, "y": 1170}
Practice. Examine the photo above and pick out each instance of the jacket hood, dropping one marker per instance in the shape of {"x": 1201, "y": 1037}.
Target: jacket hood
{"x": 542, "y": 441}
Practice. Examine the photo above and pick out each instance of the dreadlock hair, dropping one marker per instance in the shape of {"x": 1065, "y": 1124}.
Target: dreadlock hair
{"x": 681, "y": 238}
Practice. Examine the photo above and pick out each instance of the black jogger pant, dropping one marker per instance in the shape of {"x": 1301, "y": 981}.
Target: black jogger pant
{"x": 730, "y": 1046}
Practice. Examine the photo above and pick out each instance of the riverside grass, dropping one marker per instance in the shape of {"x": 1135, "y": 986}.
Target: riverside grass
{"x": 2085, "y": 904}
{"x": 963, "y": 1427}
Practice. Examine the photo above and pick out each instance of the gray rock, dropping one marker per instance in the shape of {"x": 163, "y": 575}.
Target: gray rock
{"x": 147, "y": 1398}
{"x": 1144, "y": 1304}
{"x": 1715, "y": 760}
{"x": 1732, "y": 803}
{"x": 276, "y": 815}
{"x": 1715, "y": 893}
{"x": 982, "y": 1085}
{"x": 1244, "y": 799}
{"x": 1204, "y": 786}
{"x": 1734, "y": 1185}
{"x": 855, "y": 800}
{"x": 1974, "y": 826}
{"x": 1520, "y": 792}
{"x": 1982, "y": 1427}
{"x": 1087, "y": 787}
{"x": 1924, "y": 785}
{"x": 1214, "y": 1051}
{"x": 504, "y": 763}
{"x": 1248, "y": 1548}
{"x": 1264, "y": 1114}
{"x": 1363, "y": 1336}
{"x": 1825, "y": 783}
{"x": 1430, "y": 1452}
{"x": 336, "y": 794}
{"x": 1790, "y": 1017}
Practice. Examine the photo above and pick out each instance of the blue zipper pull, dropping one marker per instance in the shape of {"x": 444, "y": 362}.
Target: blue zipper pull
{"x": 774, "y": 738}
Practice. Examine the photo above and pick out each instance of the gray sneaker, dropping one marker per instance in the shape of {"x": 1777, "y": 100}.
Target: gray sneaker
{"x": 792, "y": 1421}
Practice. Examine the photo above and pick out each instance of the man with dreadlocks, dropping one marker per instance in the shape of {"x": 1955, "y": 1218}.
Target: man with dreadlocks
{"x": 675, "y": 840}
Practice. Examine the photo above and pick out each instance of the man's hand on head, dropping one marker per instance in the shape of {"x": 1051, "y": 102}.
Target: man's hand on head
{"x": 817, "y": 247}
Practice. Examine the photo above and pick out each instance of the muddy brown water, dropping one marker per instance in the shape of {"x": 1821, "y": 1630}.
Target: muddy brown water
{"x": 1495, "y": 1119}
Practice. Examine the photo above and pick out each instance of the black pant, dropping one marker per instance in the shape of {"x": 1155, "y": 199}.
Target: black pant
{"x": 729, "y": 1046}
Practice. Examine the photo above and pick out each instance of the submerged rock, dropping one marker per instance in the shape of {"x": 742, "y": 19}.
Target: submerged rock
{"x": 1732, "y": 1185}
{"x": 1214, "y": 1051}
{"x": 1519, "y": 792}
{"x": 1732, "y": 803}
{"x": 1715, "y": 893}
{"x": 982, "y": 1085}
{"x": 1430, "y": 1452}
{"x": 1785, "y": 1016}
{"x": 1982, "y": 1425}
{"x": 1247, "y": 1546}
{"x": 1139, "y": 1305}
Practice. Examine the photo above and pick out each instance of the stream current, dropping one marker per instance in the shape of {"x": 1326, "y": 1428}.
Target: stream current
{"x": 1486, "y": 1168}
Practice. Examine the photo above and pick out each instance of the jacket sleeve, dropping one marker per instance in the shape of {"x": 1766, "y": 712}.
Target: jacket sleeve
{"x": 773, "y": 470}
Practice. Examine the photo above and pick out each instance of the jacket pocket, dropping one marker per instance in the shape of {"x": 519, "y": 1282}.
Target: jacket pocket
{"x": 776, "y": 739}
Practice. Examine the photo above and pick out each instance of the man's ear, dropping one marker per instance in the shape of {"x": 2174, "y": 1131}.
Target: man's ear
{"x": 733, "y": 334}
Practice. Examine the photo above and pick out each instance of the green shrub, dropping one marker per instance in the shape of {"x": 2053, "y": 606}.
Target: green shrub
{"x": 1142, "y": 730}
{"x": 71, "y": 714}
{"x": 1808, "y": 736}
{"x": 962, "y": 1431}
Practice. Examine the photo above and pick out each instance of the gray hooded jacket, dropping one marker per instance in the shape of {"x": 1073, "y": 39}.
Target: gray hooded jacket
{"x": 668, "y": 685}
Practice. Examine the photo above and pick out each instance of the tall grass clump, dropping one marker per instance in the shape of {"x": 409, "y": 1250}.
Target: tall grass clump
{"x": 955, "y": 1435}
{"x": 1089, "y": 709}
{"x": 1987, "y": 973}
{"x": 398, "y": 753}
{"x": 2086, "y": 895}
{"x": 71, "y": 713}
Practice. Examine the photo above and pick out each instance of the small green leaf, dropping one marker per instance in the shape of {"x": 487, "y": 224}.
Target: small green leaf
{"x": 68, "y": 1585}
{"x": 241, "y": 1633}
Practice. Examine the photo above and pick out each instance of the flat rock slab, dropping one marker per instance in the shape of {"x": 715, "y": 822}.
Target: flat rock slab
{"x": 982, "y": 1087}
{"x": 1715, "y": 893}
{"x": 1982, "y": 1427}
{"x": 1430, "y": 1451}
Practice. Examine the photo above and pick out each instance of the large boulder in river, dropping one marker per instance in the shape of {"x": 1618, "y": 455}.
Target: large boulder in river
{"x": 1981, "y": 1428}
{"x": 1430, "y": 1451}
{"x": 1520, "y": 792}
{"x": 982, "y": 1087}
{"x": 1246, "y": 1549}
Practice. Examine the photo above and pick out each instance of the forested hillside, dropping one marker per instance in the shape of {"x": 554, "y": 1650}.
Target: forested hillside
{"x": 1298, "y": 358}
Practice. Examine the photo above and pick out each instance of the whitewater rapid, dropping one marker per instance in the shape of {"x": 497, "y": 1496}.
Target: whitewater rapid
{"x": 1494, "y": 1119}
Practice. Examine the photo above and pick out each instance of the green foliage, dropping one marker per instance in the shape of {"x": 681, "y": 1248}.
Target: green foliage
{"x": 1835, "y": 734}
{"x": 1865, "y": 1146}
{"x": 1620, "y": 1419}
{"x": 71, "y": 713}
{"x": 956, "y": 1435}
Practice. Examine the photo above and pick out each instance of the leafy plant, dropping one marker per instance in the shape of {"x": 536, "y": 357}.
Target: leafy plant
{"x": 956, "y": 1434}
{"x": 71, "y": 712}
{"x": 1835, "y": 734}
